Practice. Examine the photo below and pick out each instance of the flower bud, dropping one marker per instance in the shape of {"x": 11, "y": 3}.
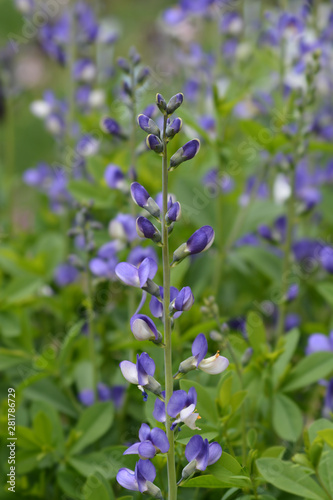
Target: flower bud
{"x": 161, "y": 103}
{"x": 123, "y": 65}
{"x": 201, "y": 240}
{"x": 188, "y": 471}
{"x": 111, "y": 126}
{"x": 115, "y": 178}
{"x": 174, "y": 213}
{"x": 174, "y": 103}
{"x": 142, "y": 75}
{"x": 143, "y": 328}
{"x": 154, "y": 143}
{"x": 148, "y": 125}
{"x": 142, "y": 198}
{"x": 187, "y": 152}
{"x": 184, "y": 300}
{"x": 146, "y": 229}
{"x": 154, "y": 491}
{"x": 174, "y": 127}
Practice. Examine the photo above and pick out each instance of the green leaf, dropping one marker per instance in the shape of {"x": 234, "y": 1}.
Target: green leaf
{"x": 274, "y": 452}
{"x": 93, "y": 423}
{"x": 10, "y": 358}
{"x": 9, "y": 325}
{"x": 20, "y": 290}
{"x": 322, "y": 424}
{"x": 68, "y": 482}
{"x": 45, "y": 390}
{"x": 206, "y": 481}
{"x": 327, "y": 436}
{"x": 97, "y": 487}
{"x": 207, "y": 432}
{"x": 84, "y": 192}
{"x": 206, "y": 405}
{"x": 43, "y": 428}
{"x": 287, "y": 418}
{"x": 290, "y": 344}
{"x": 309, "y": 370}
{"x": 256, "y": 332}
{"x": 289, "y": 477}
{"x": 325, "y": 470}
{"x": 326, "y": 291}
{"x": 112, "y": 456}
{"x": 229, "y": 471}
{"x": 68, "y": 343}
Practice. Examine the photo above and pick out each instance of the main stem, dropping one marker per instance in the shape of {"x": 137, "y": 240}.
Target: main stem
{"x": 172, "y": 483}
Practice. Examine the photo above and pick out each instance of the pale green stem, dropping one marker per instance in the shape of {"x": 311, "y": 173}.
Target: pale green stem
{"x": 172, "y": 482}
{"x": 71, "y": 87}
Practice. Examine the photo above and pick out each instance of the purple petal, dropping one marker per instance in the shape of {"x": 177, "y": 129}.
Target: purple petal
{"x": 126, "y": 479}
{"x": 147, "y": 324}
{"x": 139, "y": 194}
{"x": 144, "y": 432}
{"x": 132, "y": 450}
{"x": 113, "y": 176}
{"x": 215, "y": 452}
{"x": 202, "y": 457}
{"x": 145, "y": 366}
{"x": 192, "y": 397}
{"x": 138, "y": 254}
{"x": 159, "y": 410}
{"x": 148, "y": 269}
{"x": 176, "y": 403}
{"x": 193, "y": 447}
{"x": 98, "y": 267}
{"x": 87, "y": 397}
{"x": 160, "y": 440}
{"x": 128, "y": 274}
{"x": 200, "y": 347}
{"x": 156, "y": 307}
{"x": 147, "y": 449}
{"x": 318, "y": 342}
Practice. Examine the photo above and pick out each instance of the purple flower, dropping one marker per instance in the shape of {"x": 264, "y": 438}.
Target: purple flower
{"x": 156, "y": 306}
{"x": 87, "y": 145}
{"x": 277, "y": 234}
{"x": 181, "y": 407}
{"x": 139, "y": 277}
{"x": 148, "y": 125}
{"x": 118, "y": 395}
{"x": 86, "y": 397}
{"x": 184, "y": 300}
{"x": 174, "y": 213}
{"x": 185, "y": 153}
{"x": 200, "y": 454}
{"x": 143, "y": 199}
{"x": 104, "y": 392}
{"x": 292, "y": 293}
{"x": 105, "y": 263}
{"x": 161, "y": 103}
{"x": 326, "y": 259}
{"x": 173, "y": 127}
{"x": 84, "y": 70}
{"x": 200, "y": 241}
{"x": 65, "y": 274}
{"x": 154, "y": 143}
{"x": 212, "y": 365}
{"x": 112, "y": 127}
{"x": 319, "y": 342}
{"x": 310, "y": 197}
{"x": 292, "y": 321}
{"x": 138, "y": 254}
{"x": 115, "y": 178}
{"x": 146, "y": 229}
{"x": 152, "y": 441}
{"x": 141, "y": 479}
{"x": 143, "y": 328}
{"x": 123, "y": 228}
{"x": 141, "y": 374}
{"x": 191, "y": 90}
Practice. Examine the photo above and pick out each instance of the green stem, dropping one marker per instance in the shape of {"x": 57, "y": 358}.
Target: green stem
{"x": 70, "y": 87}
{"x": 287, "y": 256}
{"x": 90, "y": 322}
{"x": 9, "y": 161}
{"x": 172, "y": 482}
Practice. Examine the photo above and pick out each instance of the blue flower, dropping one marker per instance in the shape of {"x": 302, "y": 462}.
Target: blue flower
{"x": 152, "y": 441}
{"x": 141, "y": 374}
{"x": 212, "y": 365}
{"x": 141, "y": 479}
{"x": 181, "y": 407}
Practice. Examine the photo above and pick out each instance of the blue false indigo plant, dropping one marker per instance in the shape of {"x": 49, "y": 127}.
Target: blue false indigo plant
{"x": 173, "y": 408}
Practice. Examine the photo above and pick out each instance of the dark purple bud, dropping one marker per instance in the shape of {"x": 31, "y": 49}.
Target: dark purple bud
{"x": 174, "y": 127}
{"x": 187, "y": 152}
{"x": 200, "y": 241}
{"x": 154, "y": 143}
{"x": 174, "y": 103}
{"x": 110, "y": 126}
{"x": 148, "y": 125}
{"x": 142, "y": 198}
{"x": 123, "y": 65}
{"x": 142, "y": 75}
{"x": 146, "y": 229}
{"x": 161, "y": 103}
{"x": 174, "y": 213}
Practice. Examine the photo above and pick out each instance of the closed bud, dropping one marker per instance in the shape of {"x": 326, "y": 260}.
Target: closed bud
{"x": 188, "y": 471}
{"x": 146, "y": 229}
{"x": 174, "y": 103}
{"x": 142, "y": 75}
{"x": 154, "y": 143}
{"x": 174, "y": 127}
{"x": 174, "y": 213}
{"x": 143, "y": 199}
{"x": 127, "y": 88}
{"x": 161, "y": 103}
{"x": 187, "y": 152}
{"x": 143, "y": 328}
{"x": 123, "y": 65}
{"x": 112, "y": 127}
{"x": 154, "y": 491}
{"x": 148, "y": 125}
{"x": 201, "y": 240}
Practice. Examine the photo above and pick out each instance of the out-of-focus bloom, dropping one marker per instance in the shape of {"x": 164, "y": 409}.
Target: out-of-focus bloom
{"x": 251, "y": 189}
{"x": 200, "y": 241}
{"x": 200, "y": 454}
{"x": 326, "y": 259}
{"x": 123, "y": 228}
{"x": 185, "y": 153}
{"x": 319, "y": 342}
{"x": 141, "y": 374}
{"x": 143, "y": 199}
{"x": 139, "y": 254}
{"x": 65, "y": 274}
{"x": 87, "y": 145}
{"x": 112, "y": 127}
{"x": 86, "y": 397}
{"x": 115, "y": 178}
{"x": 141, "y": 479}
{"x": 212, "y": 365}
{"x": 105, "y": 263}
{"x": 152, "y": 441}
{"x": 292, "y": 293}
{"x": 292, "y": 321}
{"x": 143, "y": 328}
{"x": 328, "y": 402}
{"x": 277, "y": 233}
{"x": 84, "y": 70}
